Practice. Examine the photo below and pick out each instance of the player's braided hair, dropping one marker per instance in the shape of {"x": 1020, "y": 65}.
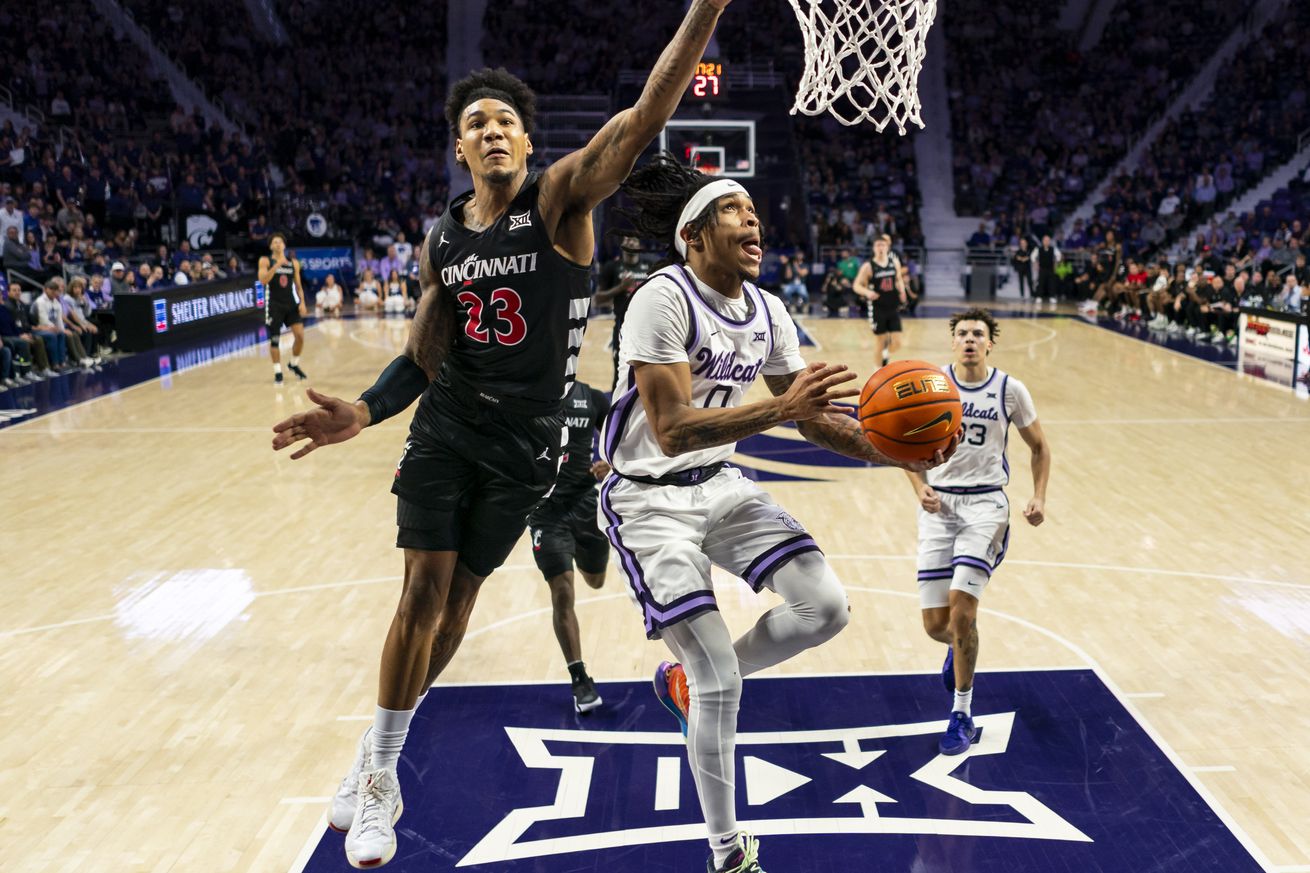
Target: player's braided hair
{"x": 658, "y": 191}
{"x": 498, "y": 84}
{"x": 977, "y": 314}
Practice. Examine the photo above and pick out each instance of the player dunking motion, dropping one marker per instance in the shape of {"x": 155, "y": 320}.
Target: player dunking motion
{"x": 964, "y": 517}
{"x": 563, "y": 529}
{"x": 286, "y": 304}
{"x": 697, "y": 336}
{"x": 881, "y": 282}
{"x": 505, "y": 284}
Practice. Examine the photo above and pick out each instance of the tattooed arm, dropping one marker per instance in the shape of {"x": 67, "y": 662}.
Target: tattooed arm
{"x": 837, "y": 431}
{"x": 576, "y": 183}
{"x": 680, "y": 427}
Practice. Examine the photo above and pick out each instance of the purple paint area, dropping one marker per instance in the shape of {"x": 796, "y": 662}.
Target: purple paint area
{"x": 1112, "y": 800}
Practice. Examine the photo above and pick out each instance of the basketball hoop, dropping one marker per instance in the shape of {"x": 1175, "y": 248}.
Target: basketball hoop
{"x": 862, "y": 59}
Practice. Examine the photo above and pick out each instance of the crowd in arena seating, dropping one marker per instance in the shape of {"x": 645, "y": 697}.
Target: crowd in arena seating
{"x": 1036, "y": 124}
{"x": 1207, "y": 157}
{"x": 349, "y": 112}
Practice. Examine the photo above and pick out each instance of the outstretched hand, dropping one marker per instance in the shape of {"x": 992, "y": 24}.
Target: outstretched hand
{"x": 816, "y": 390}
{"x": 941, "y": 456}
{"x": 332, "y": 421}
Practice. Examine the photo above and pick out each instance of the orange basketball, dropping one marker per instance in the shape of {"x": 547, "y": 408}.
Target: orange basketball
{"x": 909, "y": 410}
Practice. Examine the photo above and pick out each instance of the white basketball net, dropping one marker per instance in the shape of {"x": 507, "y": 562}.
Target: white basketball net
{"x": 862, "y": 62}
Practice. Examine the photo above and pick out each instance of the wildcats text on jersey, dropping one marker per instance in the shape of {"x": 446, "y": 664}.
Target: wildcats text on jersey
{"x": 969, "y": 409}
{"x": 724, "y": 367}
{"x": 474, "y": 267}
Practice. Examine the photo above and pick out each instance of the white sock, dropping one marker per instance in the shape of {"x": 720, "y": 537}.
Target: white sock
{"x": 722, "y": 845}
{"x": 963, "y": 702}
{"x": 277, "y": 368}
{"x": 886, "y": 358}
{"x": 295, "y": 360}
{"x": 419, "y": 702}
{"x": 390, "y": 727}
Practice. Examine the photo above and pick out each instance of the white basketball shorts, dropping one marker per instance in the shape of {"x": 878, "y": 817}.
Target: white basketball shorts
{"x": 961, "y": 545}
{"x": 667, "y": 537}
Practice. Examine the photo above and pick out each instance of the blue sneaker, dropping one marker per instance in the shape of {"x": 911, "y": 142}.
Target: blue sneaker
{"x": 671, "y": 689}
{"x": 959, "y": 735}
{"x": 948, "y": 670}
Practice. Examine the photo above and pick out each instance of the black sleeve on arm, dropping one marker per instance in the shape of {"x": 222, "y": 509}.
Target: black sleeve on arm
{"x": 400, "y": 384}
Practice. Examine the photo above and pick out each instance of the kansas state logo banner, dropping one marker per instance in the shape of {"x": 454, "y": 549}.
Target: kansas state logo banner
{"x": 829, "y": 770}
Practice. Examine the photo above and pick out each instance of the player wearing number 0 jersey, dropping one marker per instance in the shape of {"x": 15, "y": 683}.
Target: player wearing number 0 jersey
{"x": 964, "y": 515}
{"x": 491, "y": 350}
{"x": 698, "y": 334}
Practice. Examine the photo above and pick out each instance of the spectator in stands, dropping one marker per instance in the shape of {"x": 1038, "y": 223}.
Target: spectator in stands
{"x": 1047, "y": 257}
{"x": 79, "y": 314}
{"x": 21, "y": 316}
{"x": 183, "y": 274}
{"x": 837, "y": 291}
{"x": 980, "y": 238}
{"x": 1022, "y": 261}
{"x": 1289, "y": 298}
{"x": 328, "y": 300}
{"x": 28, "y": 352}
{"x": 795, "y": 272}
{"x": 17, "y": 256}
{"x": 10, "y": 216}
{"x": 50, "y": 326}
{"x": 368, "y": 295}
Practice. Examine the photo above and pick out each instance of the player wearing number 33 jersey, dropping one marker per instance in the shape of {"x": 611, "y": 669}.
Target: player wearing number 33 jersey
{"x": 964, "y": 513}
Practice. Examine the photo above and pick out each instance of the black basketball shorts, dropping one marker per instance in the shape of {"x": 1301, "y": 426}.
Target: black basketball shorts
{"x": 275, "y": 316}
{"x": 469, "y": 477}
{"x": 566, "y": 531}
{"x": 889, "y": 322}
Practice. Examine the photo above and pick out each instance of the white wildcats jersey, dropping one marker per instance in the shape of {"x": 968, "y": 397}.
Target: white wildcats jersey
{"x": 727, "y": 342}
{"x": 979, "y": 463}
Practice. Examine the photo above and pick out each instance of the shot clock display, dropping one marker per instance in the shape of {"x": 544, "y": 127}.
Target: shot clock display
{"x": 708, "y": 81}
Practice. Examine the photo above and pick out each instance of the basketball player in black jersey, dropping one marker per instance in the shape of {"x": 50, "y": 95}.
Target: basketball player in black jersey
{"x": 564, "y": 531}
{"x": 505, "y": 281}
{"x": 881, "y": 283}
{"x": 286, "y": 304}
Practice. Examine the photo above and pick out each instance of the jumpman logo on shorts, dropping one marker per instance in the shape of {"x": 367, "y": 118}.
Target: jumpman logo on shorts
{"x": 544, "y": 456}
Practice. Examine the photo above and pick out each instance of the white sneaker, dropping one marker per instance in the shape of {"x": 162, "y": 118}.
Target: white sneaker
{"x": 371, "y": 841}
{"x": 341, "y": 813}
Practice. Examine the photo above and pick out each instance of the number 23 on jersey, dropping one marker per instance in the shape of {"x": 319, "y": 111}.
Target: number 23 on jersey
{"x": 501, "y": 317}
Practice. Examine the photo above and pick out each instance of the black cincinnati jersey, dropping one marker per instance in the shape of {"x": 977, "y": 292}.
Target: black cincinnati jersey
{"x": 282, "y": 289}
{"x": 520, "y": 306}
{"x": 584, "y": 410}
{"x": 883, "y": 282}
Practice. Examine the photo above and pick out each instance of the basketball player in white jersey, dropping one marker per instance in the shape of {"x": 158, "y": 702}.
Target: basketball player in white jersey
{"x": 964, "y": 517}
{"x": 697, "y": 336}
{"x": 882, "y": 283}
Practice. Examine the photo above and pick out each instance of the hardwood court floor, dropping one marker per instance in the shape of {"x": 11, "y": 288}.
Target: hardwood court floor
{"x": 190, "y": 621}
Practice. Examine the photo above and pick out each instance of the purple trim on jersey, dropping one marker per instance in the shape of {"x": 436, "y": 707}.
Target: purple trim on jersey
{"x": 976, "y": 563}
{"x": 723, "y": 318}
{"x": 774, "y": 557}
{"x": 768, "y": 317}
{"x": 616, "y": 420}
{"x": 972, "y": 489}
{"x": 1005, "y": 455}
{"x": 694, "y": 339}
{"x": 655, "y": 616}
{"x": 1005, "y": 383}
{"x": 627, "y": 559}
{"x": 950, "y": 371}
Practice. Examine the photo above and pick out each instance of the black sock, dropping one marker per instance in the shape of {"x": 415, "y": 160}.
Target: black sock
{"x": 578, "y": 671}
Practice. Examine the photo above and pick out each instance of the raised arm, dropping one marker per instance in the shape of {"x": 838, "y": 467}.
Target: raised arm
{"x": 837, "y": 431}
{"x": 582, "y": 179}
{"x": 680, "y": 427}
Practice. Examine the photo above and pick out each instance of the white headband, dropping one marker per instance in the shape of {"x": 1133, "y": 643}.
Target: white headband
{"x": 702, "y": 198}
